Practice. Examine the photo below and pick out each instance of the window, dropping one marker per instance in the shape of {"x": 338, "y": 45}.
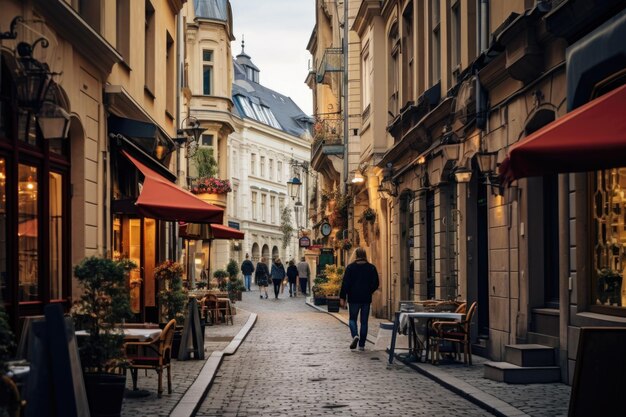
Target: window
{"x": 235, "y": 165}
{"x": 435, "y": 43}
{"x": 233, "y": 209}
{"x": 254, "y": 202}
{"x": 207, "y": 140}
{"x": 455, "y": 37}
{"x": 263, "y": 207}
{"x": 609, "y": 234}
{"x": 392, "y": 82}
{"x": 281, "y": 203}
{"x": 28, "y": 242}
{"x": 207, "y": 72}
{"x": 170, "y": 69}
{"x": 279, "y": 171}
{"x": 149, "y": 49}
{"x": 408, "y": 86}
{"x": 273, "y": 209}
{"x": 270, "y": 168}
{"x": 122, "y": 35}
{"x": 55, "y": 218}
{"x": 252, "y": 164}
{"x": 89, "y": 10}
{"x": 366, "y": 85}
{"x": 262, "y": 167}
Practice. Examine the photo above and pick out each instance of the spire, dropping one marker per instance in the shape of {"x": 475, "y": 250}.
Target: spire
{"x": 243, "y": 43}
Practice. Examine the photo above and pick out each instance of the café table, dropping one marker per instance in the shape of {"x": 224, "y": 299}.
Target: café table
{"x": 408, "y": 318}
{"x": 133, "y": 334}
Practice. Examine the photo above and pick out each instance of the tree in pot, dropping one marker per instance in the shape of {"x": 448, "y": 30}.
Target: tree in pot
{"x": 234, "y": 286}
{"x": 172, "y": 298}
{"x": 221, "y": 276}
{"x": 103, "y": 305}
{"x": 319, "y": 298}
{"x": 332, "y": 286}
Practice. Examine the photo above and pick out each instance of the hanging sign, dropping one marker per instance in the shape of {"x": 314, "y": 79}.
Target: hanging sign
{"x": 304, "y": 242}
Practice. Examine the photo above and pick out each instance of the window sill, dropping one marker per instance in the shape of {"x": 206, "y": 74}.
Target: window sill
{"x": 169, "y": 115}
{"x": 125, "y": 65}
{"x": 148, "y": 92}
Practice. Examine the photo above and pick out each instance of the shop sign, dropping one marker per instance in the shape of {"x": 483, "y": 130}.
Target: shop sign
{"x": 304, "y": 242}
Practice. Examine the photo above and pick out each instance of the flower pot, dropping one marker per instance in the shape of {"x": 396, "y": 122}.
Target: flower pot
{"x": 105, "y": 393}
{"x": 332, "y": 303}
{"x": 319, "y": 300}
{"x": 215, "y": 199}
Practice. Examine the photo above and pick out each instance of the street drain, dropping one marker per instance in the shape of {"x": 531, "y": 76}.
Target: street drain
{"x": 332, "y": 406}
{"x": 313, "y": 366}
{"x": 317, "y": 379}
{"x": 374, "y": 359}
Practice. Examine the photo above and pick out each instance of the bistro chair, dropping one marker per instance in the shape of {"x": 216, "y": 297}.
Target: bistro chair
{"x": 219, "y": 309}
{"x": 155, "y": 355}
{"x": 456, "y": 332}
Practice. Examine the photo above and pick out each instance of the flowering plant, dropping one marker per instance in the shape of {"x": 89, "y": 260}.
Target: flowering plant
{"x": 369, "y": 215}
{"x": 167, "y": 270}
{"x": 346, "y": 244}
{"x": 172, "y": 296}
{"x": 211, "y": 185}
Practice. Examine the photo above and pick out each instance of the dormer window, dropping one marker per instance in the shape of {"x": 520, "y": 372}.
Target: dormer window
{"x": 252, "y": 74}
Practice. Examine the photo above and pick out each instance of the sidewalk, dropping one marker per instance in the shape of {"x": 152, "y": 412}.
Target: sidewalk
{"x": 499, "y": 398}
{"x": 191, "y": 379}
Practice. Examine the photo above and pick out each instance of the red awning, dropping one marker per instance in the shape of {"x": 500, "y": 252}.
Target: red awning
{"x": 590, "y": 138}
{"x": 208, "y": 231}
{"x": 163, "y": 200}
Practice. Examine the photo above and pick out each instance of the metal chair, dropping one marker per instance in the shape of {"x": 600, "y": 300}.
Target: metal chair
{"x": 219, "y": 309}
{"x": 155, "y": 355}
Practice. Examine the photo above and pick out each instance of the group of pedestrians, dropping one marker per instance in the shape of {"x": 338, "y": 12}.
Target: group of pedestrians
{"x": 263, "y": 276}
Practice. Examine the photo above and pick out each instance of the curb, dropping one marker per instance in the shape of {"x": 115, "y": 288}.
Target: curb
{"x": 190, "y": 402}
{"x": 485, "y": 401}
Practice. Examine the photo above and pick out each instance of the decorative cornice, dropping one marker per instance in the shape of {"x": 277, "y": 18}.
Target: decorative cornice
{"x": 368, "y": 10}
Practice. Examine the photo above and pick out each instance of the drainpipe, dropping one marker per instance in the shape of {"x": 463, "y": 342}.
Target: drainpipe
{"x": 564, "y": 273}
{"x": 176, "y": 248}
{"x": 482, "y": 41}
{"x": 344, "y": 48}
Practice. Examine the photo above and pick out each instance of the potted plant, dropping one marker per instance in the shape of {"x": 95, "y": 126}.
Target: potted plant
{"x": 201, "y": 285}
{"x": 102, "y": 307}
{"x": 221, "y": 276}
{"x": 235, "y": 287}
{"x": 332, "y": 286}
{"x": 319, "y": 298}
{"x": 172, "y": 298}
{"x": 346, "y": 244}
{"x": 368, "y": 216}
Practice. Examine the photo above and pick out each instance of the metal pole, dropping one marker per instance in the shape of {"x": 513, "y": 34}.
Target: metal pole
{"x": 345, "y": 96}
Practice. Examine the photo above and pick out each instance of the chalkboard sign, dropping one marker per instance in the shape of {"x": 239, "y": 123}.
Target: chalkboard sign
{"x": 600, "y": 373}
{"x": 192, "y": 340}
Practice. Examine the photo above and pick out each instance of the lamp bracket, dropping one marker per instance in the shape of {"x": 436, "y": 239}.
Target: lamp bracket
{"x": 12, "y": 34}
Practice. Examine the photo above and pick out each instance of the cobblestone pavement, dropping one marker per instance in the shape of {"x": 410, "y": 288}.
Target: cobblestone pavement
{"x": 296, "y": 362}
{"x": 184, "y": 373}
{"x": 537, "y": 400}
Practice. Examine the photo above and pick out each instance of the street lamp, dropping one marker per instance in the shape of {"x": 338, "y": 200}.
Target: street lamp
{"x": 294, "y": 186}
{"x": 189, "y": 136}
{"x": 462, "y": 175}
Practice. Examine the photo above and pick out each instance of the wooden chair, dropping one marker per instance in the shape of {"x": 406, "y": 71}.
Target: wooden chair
{"x": 154, "y": 355}
{"x": 219, "y": 309}
{"x": 457, "y": 332}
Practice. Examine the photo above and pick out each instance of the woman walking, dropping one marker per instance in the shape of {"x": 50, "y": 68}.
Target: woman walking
{"x": 261, "y": 275}
{"x": 292, "y": 277}
{"x": 278, "y": 274}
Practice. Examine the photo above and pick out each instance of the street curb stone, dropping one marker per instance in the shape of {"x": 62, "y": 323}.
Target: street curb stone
{"x": 189, "y": 404}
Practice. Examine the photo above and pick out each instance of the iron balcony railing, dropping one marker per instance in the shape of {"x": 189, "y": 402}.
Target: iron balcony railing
{"x": 332, "y": 61}
{"x": 328, "y": 134}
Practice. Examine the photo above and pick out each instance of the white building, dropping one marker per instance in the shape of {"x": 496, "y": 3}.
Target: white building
{"x": 271, "y": 133}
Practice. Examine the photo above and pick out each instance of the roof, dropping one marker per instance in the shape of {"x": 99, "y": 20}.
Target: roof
{"x": 276, "y": 109}
{"x": 211, "y": 9}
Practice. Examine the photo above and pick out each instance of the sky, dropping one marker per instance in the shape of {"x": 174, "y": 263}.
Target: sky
{"x": 276, "y": 33}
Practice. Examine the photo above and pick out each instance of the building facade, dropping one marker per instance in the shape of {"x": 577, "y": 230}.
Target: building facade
{"x": 270, "y": 145}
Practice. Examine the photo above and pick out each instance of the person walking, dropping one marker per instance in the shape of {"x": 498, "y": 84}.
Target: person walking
{"x": 278, "y": 274}
{"x": 292, "y": 277}
{"x": 261, "y": 275}
{"x": 359, "y": 283}
{"x": 303, "y": 273}
{"x": 247, "y": 268}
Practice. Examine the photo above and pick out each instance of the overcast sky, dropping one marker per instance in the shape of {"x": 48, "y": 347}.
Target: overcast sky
{"x": 276, "y": 33}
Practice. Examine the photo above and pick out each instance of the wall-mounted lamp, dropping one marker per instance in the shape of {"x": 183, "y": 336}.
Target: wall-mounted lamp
{"x": 294, "y": 186}
{"x": 388, "y": 187}
{"x": 451, "y": 152}
{"x": 358, "y": 178}
{"x": 189, "y": 135}
{"x": 488, "y": 166}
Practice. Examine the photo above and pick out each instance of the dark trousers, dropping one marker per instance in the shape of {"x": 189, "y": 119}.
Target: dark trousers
{"x": 276, "y": 283}
{"x": 303, "y": 282}
{"x": 353, "y": 310}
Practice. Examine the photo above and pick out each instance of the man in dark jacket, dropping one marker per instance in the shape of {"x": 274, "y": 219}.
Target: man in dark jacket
{"x": 359, "y": 283}
{"x": 247, "y": 268}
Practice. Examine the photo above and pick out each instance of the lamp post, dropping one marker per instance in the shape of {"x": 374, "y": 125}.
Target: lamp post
{"x": 294, "y": 186}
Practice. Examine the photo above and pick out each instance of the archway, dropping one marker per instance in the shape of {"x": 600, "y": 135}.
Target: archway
{"x": 256, "y": 252}
{"x": 265, "y": 253}
{"x": 275, "y": 252}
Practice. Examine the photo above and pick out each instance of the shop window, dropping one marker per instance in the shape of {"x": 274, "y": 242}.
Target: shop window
{"x": 3, "y": 230}
{"x": 609, "y": 247}
{"x": 28, "y": 233}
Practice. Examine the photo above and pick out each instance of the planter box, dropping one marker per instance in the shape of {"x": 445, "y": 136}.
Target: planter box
{"x": 215, "y": 199}
{"x": 319, "y": 301}
{"x": 333, "y": 304}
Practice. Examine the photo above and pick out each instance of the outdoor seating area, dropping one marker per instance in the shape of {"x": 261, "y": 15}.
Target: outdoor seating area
{"x": 434, "y": 328}
{"x": 217, "y": 308}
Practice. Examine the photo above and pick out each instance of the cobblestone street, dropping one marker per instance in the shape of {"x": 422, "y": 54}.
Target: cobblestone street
{"x": 296, "y": 362}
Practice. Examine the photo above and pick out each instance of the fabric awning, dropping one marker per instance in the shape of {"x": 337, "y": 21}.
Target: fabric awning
{"x": 208, "y": 231}
{"x": 590, "y": 138}
{"x": 163, "y": 200}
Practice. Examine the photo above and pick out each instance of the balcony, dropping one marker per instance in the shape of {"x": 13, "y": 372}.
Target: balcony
{"x": 332, "y": 61}
{"x": 327, "y": 141}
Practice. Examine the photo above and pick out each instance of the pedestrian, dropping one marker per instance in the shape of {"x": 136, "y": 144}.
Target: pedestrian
{"x": 247, "y": 268}
{"x": 262, "y": 275}
{"x": 359, "y": 283}
{"x": 303, "y": 273}
{"x": 292, "y": 277}
{"x": 278, "y": 274}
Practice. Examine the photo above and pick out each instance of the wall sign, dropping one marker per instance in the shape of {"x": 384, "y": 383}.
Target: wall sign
{"x": 304, "y": 242}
